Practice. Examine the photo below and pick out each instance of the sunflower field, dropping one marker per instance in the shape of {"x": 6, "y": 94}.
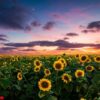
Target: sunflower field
{"x": 61, "y": 77}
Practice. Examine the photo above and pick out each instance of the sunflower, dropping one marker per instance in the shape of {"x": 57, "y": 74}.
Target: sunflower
{"x": 37, "y": 63}
{"x": 19, "y": 76}
{"x": 89, "y": 68}
{"x": 83, "y": 58}
{"x": 37, "y": 69}
{"x": 47, "y": 72}
{"x": 89, "y": 60}
{"x": 44, "y": 84}
{"x": 77, "y": 56}
{"x": 58, "y": 57}
{"x": 66, "y": 78}
{"x": 79, "y": 73}
{"x": 97, "y": 59}
{"x": 63, "y": 61}
{"x": 58, "y": 65}
{"x": 82, "y": 98}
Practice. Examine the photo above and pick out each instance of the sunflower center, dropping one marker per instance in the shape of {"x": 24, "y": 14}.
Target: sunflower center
{"x": 37, "y": 69}
{"x": 20, "y": 76}
{"x": 77, "y": 55}
{"x": 44, "y": 84}
{"x": 47, "y": 71}
{"x": 79, "y": 73}
{"x": 62, "y": 61}
{"x": 89, "y": 68}
{"x": 37, "y": 63}
{"x": 83, "y": 57}
{"x": 58, "y": 66}
{"x": 66, "y": 78}
{"x": 98, "y": 58}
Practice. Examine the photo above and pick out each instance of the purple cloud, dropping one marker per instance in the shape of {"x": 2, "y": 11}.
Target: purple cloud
{"x": 14, "y": 16}
{"x": 59, "y": 43}
{"x": 71, "y": 34}
{"x": 65, "y": 38}
{"x": 49, "y": 25}
{"x": 92, "y": 27}
{"x": 3, "y": 37}
{"x": 35, "y": 24}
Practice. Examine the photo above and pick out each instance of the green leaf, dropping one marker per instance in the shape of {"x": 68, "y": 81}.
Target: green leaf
{"x": 52, "y": 98}
{"x": 5, "y": 83}
{"x": 17, "y": 87}
{"x": 41, "y": 94}
{"x": 4, "y": 93}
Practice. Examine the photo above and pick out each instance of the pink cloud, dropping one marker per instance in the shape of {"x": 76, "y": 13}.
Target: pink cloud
{"x": 71, "y": 15}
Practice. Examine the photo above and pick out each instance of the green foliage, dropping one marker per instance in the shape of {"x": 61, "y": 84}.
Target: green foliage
{"x": 27, "y": 88}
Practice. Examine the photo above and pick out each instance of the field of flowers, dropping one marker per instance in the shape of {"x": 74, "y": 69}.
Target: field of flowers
{"x": 63, "y": 77}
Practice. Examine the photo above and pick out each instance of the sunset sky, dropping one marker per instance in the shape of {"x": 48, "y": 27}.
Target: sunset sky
{"x": 49, "y": 26}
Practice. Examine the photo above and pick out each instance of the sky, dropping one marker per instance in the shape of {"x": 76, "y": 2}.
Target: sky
{"x": 49, "y": 26}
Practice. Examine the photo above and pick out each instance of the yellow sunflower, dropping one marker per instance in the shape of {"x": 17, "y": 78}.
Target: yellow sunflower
{"x": 37, "y": 63}
{"x": 47, "y": 72}
{"x": 37, "y": 69}
{"x": 58, "y": 66}
{"x": 82, "y": 98}
{"x": 89, "y": 68}
{"x": 58, "y": 57}
{"x": 97, "y": 59}
{"x": 79, "y": 73}
{"x": 63, "y": 61}
{"x": 83, "y": 58}
{"x": 77, "y": 56}
{"x": 89, "y": 60}
{"x": 66, "y": 78}
{"x": 44, "y": 84}
{"x": 19, "y": 76}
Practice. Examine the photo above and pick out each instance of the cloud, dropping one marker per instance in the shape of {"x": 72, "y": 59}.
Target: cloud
{"x": 28, "y": 50}
{"x": 65, "y": 38}
{"x": 67, "y": 17}
{"x": 59, "y": 43}
{"x": 35, "y": 24}
{"x": 71, "y": 34}
{"x": 95, "y": 24}
{"x": 49, "y": 25}
{"x": 3, "y": 37}
{"x": 14, "y": 16}
{"x": 92, "y": 27}
{"x": 6, "y": 49}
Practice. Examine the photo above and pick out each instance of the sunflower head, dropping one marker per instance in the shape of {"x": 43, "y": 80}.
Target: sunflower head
{"x": 44, "y": 84}
{"x": 47, "y": 72}
{"x": 37, "y": 63}
{"x": 37, "y": 69}
{"x": 82, "y": 98}
{"x": 79, "y": 73}
{"x": 89, "y": 60}
{"x": 19, "y": 76}
{"x": 83, "y": 58}
{"x": 58, "y": 57}
{"x": 77, "y": 56}
{"x": 63, "y": 61}
{"x": 89, "y": 68}
{"x": 97, "y": 59}
{"x": 66, "y": 78}
{"x": 58, "y": 66}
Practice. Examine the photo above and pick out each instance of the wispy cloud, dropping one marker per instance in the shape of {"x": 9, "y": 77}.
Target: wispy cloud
{"x": 3, "y": 37}
{"x": 35, "y": 24}
{"x": 49, "y": 25}
{"x": 71, "y": 34}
